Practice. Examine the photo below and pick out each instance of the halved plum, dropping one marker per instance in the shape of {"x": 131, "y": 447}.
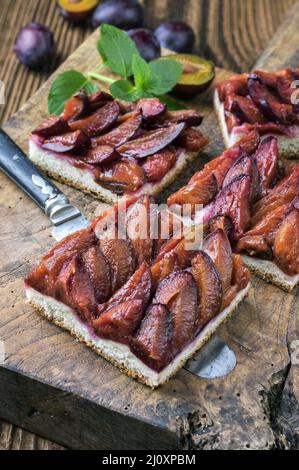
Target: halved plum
{"x": 99, "y": 272}
{"x": 158, "y": 165}
{"x": 121, "y": 134}
{"x": 70, "y": 142}
{"x": 140, "y": 219}
{"x": 286, "y": 244}
{"x": 209, "y": 287}
{"x": 217, "y": 246}
{"x": 178, "y": 292}
{"x": 151, "y": 142}
{"x": 100, "y": 155}
{"x": 154, "y": 337}
{"x": 52, "y": 125}
{"x": 98, "y": 122}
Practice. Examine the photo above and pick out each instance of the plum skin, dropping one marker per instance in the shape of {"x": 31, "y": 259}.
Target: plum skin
{"x": 175, "y": 35}
{"x": 125, "y": 14}
{"x": 146, "y": 42}
{"x": 34, "y": 45}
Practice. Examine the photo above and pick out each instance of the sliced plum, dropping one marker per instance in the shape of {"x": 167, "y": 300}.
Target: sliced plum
{"x": 99, "y": 272}
{"x": 151, "y": 142}
{"x": 99, "y": 99}
{"x": 200, "y": 192}
{"x": 121, "y": 134}
{"x": 217, "y": 246}
{"x": 222, "y": 222}
{"x": 229, "y": 296}
{"x": 249, "y": 142}
{"x": 269, "y": 105}
{"x": 151, "y": 109}
{"x": 98, "y": 122}
{"x": 286, "y": 244}
{"x": 233, "y": 201}
{"x": 158, "y": 165}
{"x": 241, "y": 275}
{"x": 209, "y": 287}
{"x": 154, "y": 337}
{"x": 188, "y": 116}
{"x": 245, "y": 109}
{"x": 245, "y": 165}
{"x": 123, "y": 176}
{"x": 192, "y": 140}
{"x": 53, "y": 125}
{"x": 120, "y": 321}
{"x": 70, "y": 142}
{"x": 268, "y": 225}
{"x": 137, "y": 287}
{"x": 165, "y": 266}
{"x": 140, "y": 218}
{"x": 76, "y": 107}
{"x": 73, "y": 287}
{"x": 285, "y": 191}
{"x": 121, "y": 258}
{"x": 101, "y": 155}
{"x": 70, "y": 246}
{"x": 236, "y": 85}
{"x": 178, "y": 292}
{"x": 266, "y": 158}
{"x": 255, "y": 245}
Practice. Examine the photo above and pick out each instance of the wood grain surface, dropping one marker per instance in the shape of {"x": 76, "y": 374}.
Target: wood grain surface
{"x": 222, "y": 38}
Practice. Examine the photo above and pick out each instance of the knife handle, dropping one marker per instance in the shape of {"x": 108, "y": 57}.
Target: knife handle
{"x": 15, "y": 164}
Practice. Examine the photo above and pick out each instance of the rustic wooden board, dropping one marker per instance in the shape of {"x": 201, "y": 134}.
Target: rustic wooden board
{"x": 60, "y": 389}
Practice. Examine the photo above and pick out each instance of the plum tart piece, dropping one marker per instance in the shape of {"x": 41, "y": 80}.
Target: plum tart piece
{"x": 265, "y": 101}
{"x": 255, "y": 202}
{"x": 97, "y": 146}
{"x": 144, "y": 305}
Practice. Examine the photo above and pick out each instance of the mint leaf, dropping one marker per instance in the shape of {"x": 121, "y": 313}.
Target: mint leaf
{"x": 117, "y": 50}
{"x": 167, "y": 73}
{"x": 124, "y": 90}
{"x": 65, "y": 86}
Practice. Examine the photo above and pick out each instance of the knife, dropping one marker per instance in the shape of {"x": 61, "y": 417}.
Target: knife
{"x": 64, "y": 217}
{"x": 214, "y": 360}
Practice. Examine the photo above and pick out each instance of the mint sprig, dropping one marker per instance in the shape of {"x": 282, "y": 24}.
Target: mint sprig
{"x": 140, "y": 79}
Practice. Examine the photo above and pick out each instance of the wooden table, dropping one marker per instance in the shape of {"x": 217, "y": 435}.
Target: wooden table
{"x": 221, "y": 37}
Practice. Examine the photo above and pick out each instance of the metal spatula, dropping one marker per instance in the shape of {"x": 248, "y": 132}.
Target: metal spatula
{"x": 214, "y": 360}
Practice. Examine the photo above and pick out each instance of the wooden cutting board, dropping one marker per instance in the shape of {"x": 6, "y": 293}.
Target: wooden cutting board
{"x": 54, "y": 386}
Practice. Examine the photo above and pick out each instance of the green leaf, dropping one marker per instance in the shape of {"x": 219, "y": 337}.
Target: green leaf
{"x": 117, "y": 50}
{"x": 124, "y": 90}
{"x": 142, "y": 73}
{"x": 167, "y": 73}
{"x": 64, "y": 87}
{"x": 91, "y": 87}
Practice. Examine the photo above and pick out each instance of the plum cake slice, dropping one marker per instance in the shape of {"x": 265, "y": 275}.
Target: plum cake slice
{"x": 252, "y": 195}
{"x": 263, "y": 101}
{"x": 102, "y": 148}
{"x": 146, "y": 305}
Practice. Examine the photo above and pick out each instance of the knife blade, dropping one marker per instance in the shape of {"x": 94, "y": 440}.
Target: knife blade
{"x": 65, "y": 217}
{"x": 214, "y": 359}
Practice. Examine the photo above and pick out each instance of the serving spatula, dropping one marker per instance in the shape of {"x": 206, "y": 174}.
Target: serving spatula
{"x": 214, "y": 360}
